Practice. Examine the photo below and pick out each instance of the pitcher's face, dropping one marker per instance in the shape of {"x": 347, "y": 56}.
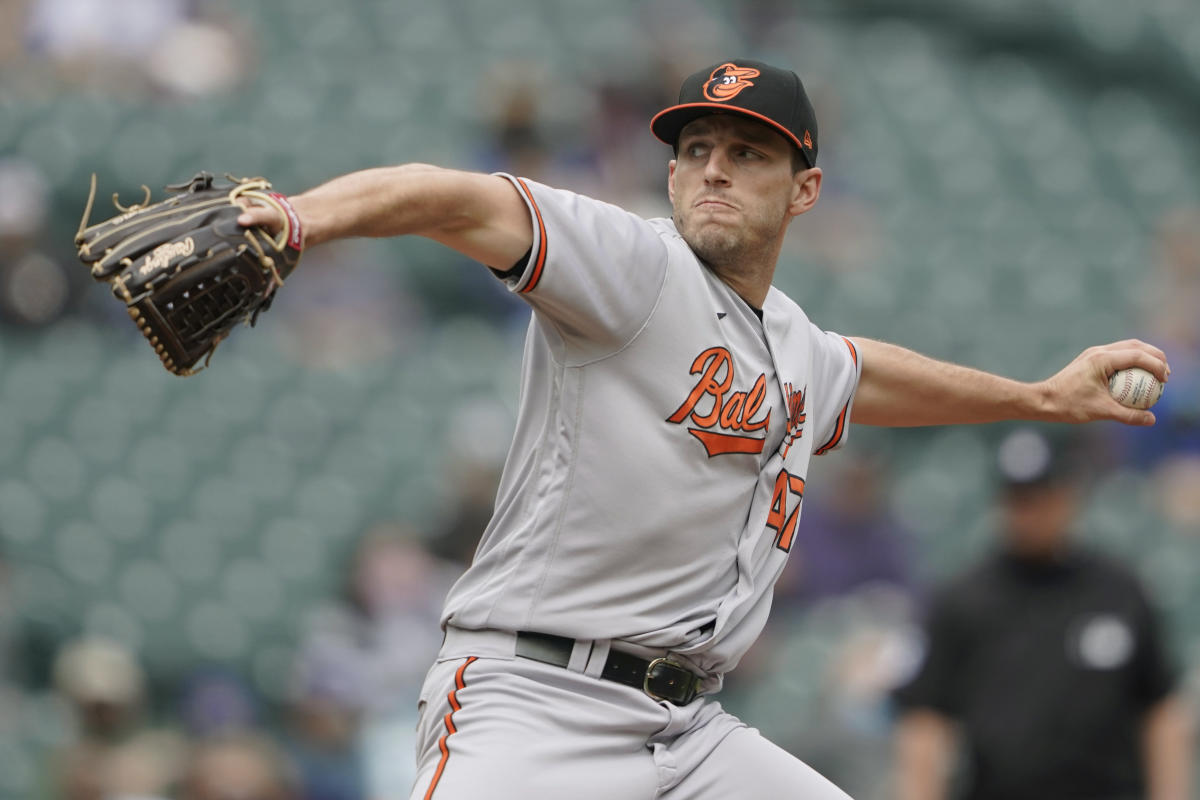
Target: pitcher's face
{"x": 733, "y": 188}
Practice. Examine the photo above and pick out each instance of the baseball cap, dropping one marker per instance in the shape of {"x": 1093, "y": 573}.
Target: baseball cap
{"x": 1028, "y": 458}
{"x": 750, "y": 89}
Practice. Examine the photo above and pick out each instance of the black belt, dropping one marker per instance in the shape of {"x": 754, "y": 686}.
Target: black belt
{"x": 660, "y": 678}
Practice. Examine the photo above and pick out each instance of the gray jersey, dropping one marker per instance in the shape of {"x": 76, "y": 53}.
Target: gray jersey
{"x": 662, "y": 442}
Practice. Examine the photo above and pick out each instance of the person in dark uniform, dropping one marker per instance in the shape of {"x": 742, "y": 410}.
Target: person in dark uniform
{"x": 1045, "y": 664}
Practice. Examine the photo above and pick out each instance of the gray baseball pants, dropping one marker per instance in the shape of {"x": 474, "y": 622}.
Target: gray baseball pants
{"x": 496, "y": 726}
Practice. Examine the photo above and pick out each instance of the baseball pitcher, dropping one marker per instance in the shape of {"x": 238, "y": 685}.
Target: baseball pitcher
{"x": 672, "y": 403}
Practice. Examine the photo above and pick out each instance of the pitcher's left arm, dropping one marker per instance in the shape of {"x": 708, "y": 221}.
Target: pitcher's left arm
{"x": 902, "y": 388}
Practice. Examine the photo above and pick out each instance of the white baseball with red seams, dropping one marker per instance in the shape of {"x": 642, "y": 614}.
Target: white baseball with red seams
{"x": 1135, "y": 387}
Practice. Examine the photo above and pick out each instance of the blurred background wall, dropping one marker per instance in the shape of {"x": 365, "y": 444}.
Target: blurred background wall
{"x": 249, "y": 564}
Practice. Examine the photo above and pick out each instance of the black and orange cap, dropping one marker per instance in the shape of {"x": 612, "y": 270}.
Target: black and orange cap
{"x": 750, "y": 89}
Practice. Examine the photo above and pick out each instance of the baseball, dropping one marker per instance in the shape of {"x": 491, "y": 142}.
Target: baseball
{"x": 1135, "y": 387}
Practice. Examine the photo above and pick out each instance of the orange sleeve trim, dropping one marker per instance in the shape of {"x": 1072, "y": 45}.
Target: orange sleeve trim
{"x": 853, "y": 351}
{"x": 840, "y": 429}
{"x": 443, "y": 745}
{"x": 539, "y": 263}
{"x": 837, "y": 433}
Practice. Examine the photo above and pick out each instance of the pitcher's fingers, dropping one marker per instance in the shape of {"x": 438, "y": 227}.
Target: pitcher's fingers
{"x": 1114, "y": 360}
{"x": 1133, "y": 416}
{"x": 1140, "y": 345}
{"x": 264, "y": 216}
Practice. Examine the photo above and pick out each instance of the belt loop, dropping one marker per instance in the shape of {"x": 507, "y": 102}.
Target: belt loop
{"x": 579, "y": 655}
{"x": 597, "y": 657}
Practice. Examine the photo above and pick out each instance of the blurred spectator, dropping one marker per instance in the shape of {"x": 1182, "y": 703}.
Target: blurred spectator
{"x": 628, "y": 165}
{"x": 360, "y": 668}
{"x": 480, "y": 431}
{"x": 844, "y": 234}
{"x": 675, "y": 36}
{"x": 1046, "y": 662}
{"x": 394, "y": 589}
{"x": 1170, "y": 320}
{"x": 474, "y": 503}
{"x": 104, "y": 686}
{"x": 34, "y": 287}
{"x": 867, "y": 659}
{"x": 850, "y": 540}
{"x": 70, "y": 28}
{"x": 216, "y": 701}
{"x": 515, "y": 142}
{"x": 520, "y": 100}
{"x": 822, "y": 691}
{"x": 24, "y": 200}
{"x": 1171, "y": 449}
{"x": 330, "y": 694}
{"x": 113, "y": 752}
{"x": 518, "y": 138}
{"x": 136, "y": 45}
{"x": 100, "y": 43}
{"x": 348, "y": 310}
{"x": 1170, "y": 311}
{"x": 12, "y": 12}
{"x": 240, "y": 766}
{"x": 199, "y": 57}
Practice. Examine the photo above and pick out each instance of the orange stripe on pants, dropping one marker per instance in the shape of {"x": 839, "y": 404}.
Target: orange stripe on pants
{"x": 443, "y": 744}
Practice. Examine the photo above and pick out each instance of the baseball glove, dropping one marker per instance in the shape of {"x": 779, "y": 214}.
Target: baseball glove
{"x": 185, "y": 269}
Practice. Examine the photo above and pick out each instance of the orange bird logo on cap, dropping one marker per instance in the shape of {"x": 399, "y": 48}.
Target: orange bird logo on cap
{"x": 728, "y": 80}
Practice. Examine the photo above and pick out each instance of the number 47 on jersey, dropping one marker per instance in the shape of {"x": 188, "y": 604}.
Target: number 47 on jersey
{"x": 785, "y": 508}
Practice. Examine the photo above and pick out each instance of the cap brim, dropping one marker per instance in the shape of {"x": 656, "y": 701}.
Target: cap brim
{"x": 667, "y": 124}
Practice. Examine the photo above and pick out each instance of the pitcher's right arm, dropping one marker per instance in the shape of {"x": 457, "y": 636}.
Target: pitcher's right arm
{"x": 481, "y": 216}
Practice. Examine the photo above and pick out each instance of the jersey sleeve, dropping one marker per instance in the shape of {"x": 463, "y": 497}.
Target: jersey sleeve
{"x": 595, "y": 270}
{"x": 837, "y": 368}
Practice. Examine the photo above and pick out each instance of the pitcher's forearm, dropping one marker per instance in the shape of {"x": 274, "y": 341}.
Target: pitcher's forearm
{"x": 381, "y": 202}
{"x": 481, "y": 216}
{"x": 902, "y": 388}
